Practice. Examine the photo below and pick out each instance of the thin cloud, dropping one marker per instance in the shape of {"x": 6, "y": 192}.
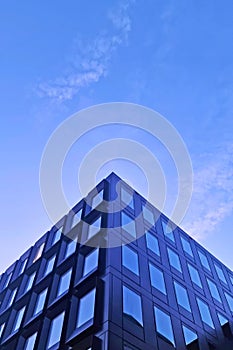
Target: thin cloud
{"x": 212, "y": 198}
{"x": 92, "y": 61}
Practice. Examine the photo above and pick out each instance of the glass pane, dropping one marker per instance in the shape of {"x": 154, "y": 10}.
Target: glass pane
{"x": 148, "y": 215}
{"x": 127, "y": 198}
{"x": 205, "y": 313}
{"x": 39, "y": 252}
{"x": 49, "y": 265}
{"x": 91, "y": 262}
{"x": 2, "y": 326}
{"x": 64, "y": 282}
{"x": 40, "y": 302}
{"x": 204, "y": 260}
{"x": 86, "y": 308}
{"x": 223, "y": 320}
{"x": 76, "y": 218}
{"x": 18, "y": 319}
{"x": 130, "y": 259}
{"x": 214, "y": 290}
{"x": 189, "y": 336}
{"x": 128, "y": 224}
{"x": 30, "y": 281}
{"x": 12, "y": 296}
{"x": 167, "y": 230}
{"x": 97, "y": 199}
{"x": 30, "y": 343}
{"x": 152, "y": 243}
{"x": 132, "y": 305}
{"x": 94, "y": 227}
{"x": 194, "y": 274}
{"x": 157, "y": 279}
{"x": 229, "y": 300}
{"x": 57, "y": 236}
{"x": 164, "y": 325}
{"x": 22, "y": 267}
{"x": 220, "y": 273}
{"x": 7, "y": 280}
{"x": 186, "y": 246}
{"x": 174, "y": 259}
{"x": 55, "y": 330}
{"x": 182, "y": 296}
{"x": 70, "y": 248}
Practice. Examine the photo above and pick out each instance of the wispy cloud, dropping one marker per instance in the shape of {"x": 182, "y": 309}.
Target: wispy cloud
{"x": 212, "y": 198}
{"x": 92, "y": 60}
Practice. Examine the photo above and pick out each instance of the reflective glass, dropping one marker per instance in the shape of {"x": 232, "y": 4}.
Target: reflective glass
{"x": 186, "y": 246}
{"x": 148, "y": 215}
{"x": 91, "y": 261}
{"x": 30, "y": 343}
{"x": 194, "y": 274}
{"x": 152, "y": 243}
{"x": 76, "y": 218}
{"x": 23, "y": 265}
{"x": 64, "y": 282}
{"x": 229, "y": 300}
{"x": 157, "y": 279}
{"x": 49, "y": 265}
{"x": 223, "y": 320}
{"x": 40, "y": 302}
{"x": 57, "y": 236}
{"x": 55, "y": 330}
{"x": 12, "y": 296}
{"x": 94, "y": 228}
{"x": 182, "y": 296}
{"x": 167, "y": 230}
{"x": 204, "y": 260}
{"x": 164, "y": 325}
{"x": 128, "y": 224}
{"x": 214, "y": 290}
{"x": 18, "y": 319}
{"x": 86, "y": 308}
{"x": 97, "y": 199}
{"x": 127, "y": 198}
{"x": 174, "y": 260}
{"x": 205, "y": 313}
{"x": 189, "y": 336}
{"x": 130, "y": 259}
{"x": 30, "y": 282}
{"x": 2, "y": 326}
{"x": 39, "y": 252}
{"x": 220, "y": 273}
{"x": 70, "y": 248}
{"x": 132, "y": 305}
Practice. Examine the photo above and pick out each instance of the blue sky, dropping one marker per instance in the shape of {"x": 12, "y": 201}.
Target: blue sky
{"x": 59, "y": 57}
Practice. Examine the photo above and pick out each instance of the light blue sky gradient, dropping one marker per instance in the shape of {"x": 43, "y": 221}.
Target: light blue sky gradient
{"x": 58, "y": 57}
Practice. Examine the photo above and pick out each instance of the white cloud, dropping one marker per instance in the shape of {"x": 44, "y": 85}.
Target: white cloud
{"x": 92, "y": 60}
{"x": 212, "y": 198}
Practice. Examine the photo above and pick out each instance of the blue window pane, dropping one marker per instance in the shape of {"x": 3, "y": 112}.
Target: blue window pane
{"x": 57, "y": 236}
{"x": 55, "y": 330}
{"x": 76, "y": 218}
{"x": 205, "y": 313}
{"x": 182, "y": 296}
{"x": 130, "y": 259}
{"x": 40, "y": 302}
{"x": 30, "y": 281}
{"x": 229, "y": 300}
{"x": 214, "y": 290}
{"x": 97, "y": 199}
{"x": 132, "y": 306}
{"x": 49, "y": 265}
{"x": 71, "y": 247}
{"x": 128, "y": 224}
{"x": 174, "y": 260}
{"x": 86, "y": 308}
{"x": 167, "y": 230}
{"x": 220, "y": 273}
{"x": 64, "y": 282}
{"x": 94, "y": 228}
{"x": 2, "y": 326}
{"x": 18, "y": 319}
{"x": 91, "y": 261}
{"x": 204, "y": 260}
{"x": 194, "y": 274}
{"x": 223, "y": 320}
{"x": 189, "y": 336}
{"x": 127, "y": 198}
{"x": 30, "y": 343}
{"x": 164, "y": 325}
{"x": 186, "y": 246}
{"x": 12, "y": 297}
{"x": 23, "y": 265}
{"x": 157, "y": 279}
{"x": 148, "y": 215}
{"x": 152, "y": 243}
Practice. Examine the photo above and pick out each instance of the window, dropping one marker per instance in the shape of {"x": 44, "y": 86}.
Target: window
{"x": 152, "y": 243}
{"x": 229, "y": 300}
{"x": 220, "y": 273}
{"x": 223, "y": 320}
{"x": 174, "y": 260}
{"x": 22, "y": 266}
{"x": 189, "y": 336}
{"x": 167, "y": 230}
{"x": 157, "y": 279}
{"x": 94, "y": 228}
{"x": 204, "y": 260}
{"x": 91, "y": 261}
{"x": 97, "y": 199}
{"x": 57, "y": 236}
{"x": 186, "y": 246}
{"x": 132, "y": 306}
{"x": 127, "y": 198}
{"x": 39, "y": 252}
{"x": 130, "y": 259}
{"x": 205, "y": 313}
{"x": 40, "y": 302}
{"x": 148, "y": 215}
{"x": 7, "y": 280}
{"x": 70, "y": 248}
{"x": 64, "y": 283}
{"x": 18, "y": 319}
{"x": 194, "y": 274}
{"x": 76, "y": 218}
{"x": 30, "y": 342}
{"x": 30, "y": 282}
{"x": 55, "y": 330}
{"x": 49, "y": 265}
{"x": 128, "y": 224}
{"x": 214, "y": 290}
{"x": 11, "y": 297}
{"x": 182, "y": 296}
{"x": 2, "y": 326}
{"x": 86, "y": 308}
{"x": 164, "y": 325}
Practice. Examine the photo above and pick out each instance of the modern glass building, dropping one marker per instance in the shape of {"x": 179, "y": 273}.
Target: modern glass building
{"x": 156, "y": 289}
